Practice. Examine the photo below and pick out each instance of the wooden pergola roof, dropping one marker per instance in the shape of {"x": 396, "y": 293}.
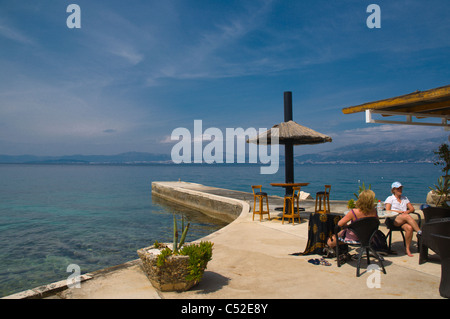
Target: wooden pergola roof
{"x": 434, "y": 103}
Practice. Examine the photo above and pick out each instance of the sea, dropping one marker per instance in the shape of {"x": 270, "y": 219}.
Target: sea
{"x": 97, "y": 216}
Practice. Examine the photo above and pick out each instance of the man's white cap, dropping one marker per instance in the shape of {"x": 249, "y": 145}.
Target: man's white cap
{"x": 396, "y": 185}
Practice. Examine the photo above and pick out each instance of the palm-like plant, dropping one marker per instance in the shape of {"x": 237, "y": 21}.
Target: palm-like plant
{"x": 441, "y": 189}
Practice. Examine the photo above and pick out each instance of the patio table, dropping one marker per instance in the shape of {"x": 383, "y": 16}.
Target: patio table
{"x": 288, "y": 187}
{"x": 320, "y": 228}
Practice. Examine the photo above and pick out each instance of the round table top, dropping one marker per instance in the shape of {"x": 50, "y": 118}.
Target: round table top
{"x": 289, "y": 184}
{"x": 387, "y": 213}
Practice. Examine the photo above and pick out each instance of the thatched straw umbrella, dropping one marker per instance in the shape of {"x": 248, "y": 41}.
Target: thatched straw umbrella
{"x": 290, "y": 133}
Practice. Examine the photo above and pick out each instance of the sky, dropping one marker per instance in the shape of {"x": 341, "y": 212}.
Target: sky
{"x": 137, "y": 70}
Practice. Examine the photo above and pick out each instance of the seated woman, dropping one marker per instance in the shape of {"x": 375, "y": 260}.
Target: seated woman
{"x": 365, "y": 208}
{"x": 399, "y": 203}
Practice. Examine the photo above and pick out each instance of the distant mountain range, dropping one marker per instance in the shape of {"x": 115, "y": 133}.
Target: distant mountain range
{"x": 401, "y": 152}
{"x": 123, "y": 158}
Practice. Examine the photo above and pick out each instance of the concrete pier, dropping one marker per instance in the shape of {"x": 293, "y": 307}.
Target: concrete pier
{"x": 252, "y": 259}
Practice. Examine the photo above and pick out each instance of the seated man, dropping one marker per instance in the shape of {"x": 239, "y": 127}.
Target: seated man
{"x": 400, "y": 204}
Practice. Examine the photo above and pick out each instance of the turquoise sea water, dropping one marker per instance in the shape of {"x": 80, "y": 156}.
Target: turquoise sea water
{"x": 97, "y": 216}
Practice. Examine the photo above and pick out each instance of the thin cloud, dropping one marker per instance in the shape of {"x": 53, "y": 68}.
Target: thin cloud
{"x": 110, "y": 131}
{"x": 128, "y": 53}
{"x": 206, "y": 54}
{"x": 15, "y": 35}
{"x": 389, "y": 133}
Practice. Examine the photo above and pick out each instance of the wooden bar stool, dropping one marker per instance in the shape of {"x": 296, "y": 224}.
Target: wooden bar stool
{"x": 289, "y": 206}
{"x": 259, "y": 196}
{"x": 323, "y": 197}
{"x": 297, "y": 198}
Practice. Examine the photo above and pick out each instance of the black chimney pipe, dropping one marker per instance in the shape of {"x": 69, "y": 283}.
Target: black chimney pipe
{"x": 288, "y": 146}
{"x": 287, "y": 106}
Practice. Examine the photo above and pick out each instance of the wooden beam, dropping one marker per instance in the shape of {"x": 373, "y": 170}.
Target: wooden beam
{"x": 418, "y": 97}
{"x": 441, "y": 107}
{"x": 408, "y": 120}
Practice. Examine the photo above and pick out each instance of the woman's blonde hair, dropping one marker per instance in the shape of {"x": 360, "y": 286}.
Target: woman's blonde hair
{"x": 366, "y": 201}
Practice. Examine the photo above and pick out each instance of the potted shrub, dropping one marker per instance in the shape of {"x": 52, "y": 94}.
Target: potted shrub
{"x": 176, "y": 267}
{"x": 351, "y": 203}
{"x": 439, "y": 194}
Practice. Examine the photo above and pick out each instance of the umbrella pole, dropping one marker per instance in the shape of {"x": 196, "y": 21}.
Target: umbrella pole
{"x": 288, "y": 147}
{"x": 289, "y": 166}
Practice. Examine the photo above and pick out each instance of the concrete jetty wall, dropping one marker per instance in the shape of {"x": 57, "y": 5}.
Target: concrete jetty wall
{"x": 197, "y": 197}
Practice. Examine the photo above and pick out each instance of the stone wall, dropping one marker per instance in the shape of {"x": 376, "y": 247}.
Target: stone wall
{"x": 225, "y": 209}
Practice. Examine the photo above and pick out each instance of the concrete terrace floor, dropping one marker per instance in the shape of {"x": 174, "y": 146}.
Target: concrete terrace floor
{"x": 251, "y": 260}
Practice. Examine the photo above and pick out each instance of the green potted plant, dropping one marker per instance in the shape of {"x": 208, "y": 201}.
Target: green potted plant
{"x": 443, "y": 154}
{"x": 176, "y": 267}
{"x": 351, "y": 203}
{"x": 439, "y": 194}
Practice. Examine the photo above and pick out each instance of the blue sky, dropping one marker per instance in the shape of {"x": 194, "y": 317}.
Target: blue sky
{"x": 136, "y": 70}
